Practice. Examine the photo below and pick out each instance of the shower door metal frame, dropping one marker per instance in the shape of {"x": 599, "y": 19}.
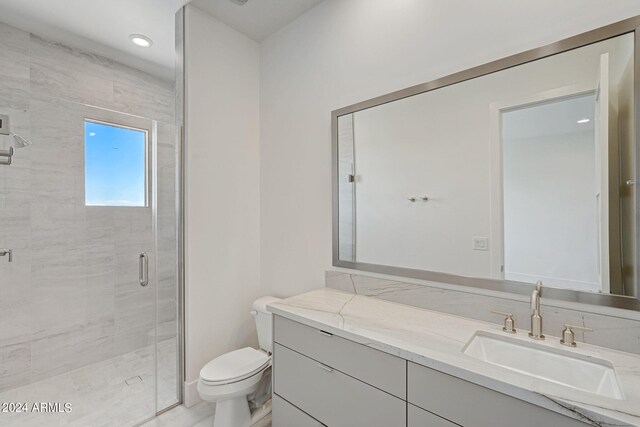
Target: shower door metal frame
{"x": 180, "y": 206}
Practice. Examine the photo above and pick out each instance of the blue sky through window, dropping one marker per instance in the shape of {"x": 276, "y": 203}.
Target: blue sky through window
{"x": 115, "y": 165}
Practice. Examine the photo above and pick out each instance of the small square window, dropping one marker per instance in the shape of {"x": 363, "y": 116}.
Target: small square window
{"x": 115, "y": 165}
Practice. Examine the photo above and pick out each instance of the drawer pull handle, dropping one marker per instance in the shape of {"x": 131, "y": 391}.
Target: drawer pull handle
{"x": 326, "y": 368}
{"x": 325, "y": 333}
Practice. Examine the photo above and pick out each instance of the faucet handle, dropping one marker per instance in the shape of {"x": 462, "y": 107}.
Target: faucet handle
{"x": 569, "y": 337}
{"x": 509, "y": 323}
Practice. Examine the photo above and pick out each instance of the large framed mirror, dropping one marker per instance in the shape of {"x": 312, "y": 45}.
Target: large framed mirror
{"x": 519, "y": 170}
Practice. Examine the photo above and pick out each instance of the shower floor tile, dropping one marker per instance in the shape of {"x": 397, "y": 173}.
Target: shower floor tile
{"x": 99, "y": 394}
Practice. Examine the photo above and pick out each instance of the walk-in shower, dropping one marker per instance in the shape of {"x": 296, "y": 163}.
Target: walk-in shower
{"x": 89, "y": 209}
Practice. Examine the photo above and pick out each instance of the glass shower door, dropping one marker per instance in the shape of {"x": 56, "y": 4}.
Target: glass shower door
{"x": 78, "y": 299}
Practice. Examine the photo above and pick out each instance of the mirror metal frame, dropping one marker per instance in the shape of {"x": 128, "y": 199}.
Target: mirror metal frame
{"x": 631, "y": 25}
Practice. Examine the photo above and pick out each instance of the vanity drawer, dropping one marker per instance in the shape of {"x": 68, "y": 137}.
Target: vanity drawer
{"x": 284, "y": 414}
{"x": 333, "y": 398}
{"x": 471, "y": 405}
{"x": 417, "y": 417}
{"x": 374, "y": 367}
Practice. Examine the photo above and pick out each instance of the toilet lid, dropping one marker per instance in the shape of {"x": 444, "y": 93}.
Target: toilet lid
{"x": 235, "y": 365}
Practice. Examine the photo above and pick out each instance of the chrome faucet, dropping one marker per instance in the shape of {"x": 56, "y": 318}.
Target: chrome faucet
{"x": 536, "y": 319}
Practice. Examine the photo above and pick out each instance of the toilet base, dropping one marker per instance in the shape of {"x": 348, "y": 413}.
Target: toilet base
{"x": 255, "y": 417}
{"x": 232, "y": 413}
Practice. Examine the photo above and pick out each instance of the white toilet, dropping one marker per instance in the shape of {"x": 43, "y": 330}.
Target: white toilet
{"x": 228, "y": 380}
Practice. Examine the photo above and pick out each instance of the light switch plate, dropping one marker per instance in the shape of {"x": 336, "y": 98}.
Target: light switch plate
{"x": 4, "y": 124}
{"x": 480, "y": 244}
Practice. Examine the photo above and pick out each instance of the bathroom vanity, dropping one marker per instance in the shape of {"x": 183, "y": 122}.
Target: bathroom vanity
{"x": 348, "y": 360}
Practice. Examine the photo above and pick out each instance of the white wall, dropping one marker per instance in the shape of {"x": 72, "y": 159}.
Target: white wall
{"x": 432, "y": 145}
{"x": 345, "y": 51}
{"x": 222, "y": 190}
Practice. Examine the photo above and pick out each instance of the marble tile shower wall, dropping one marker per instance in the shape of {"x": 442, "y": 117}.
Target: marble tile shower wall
{"x": 71, "y": 296}
{"x": 616, "y": 332}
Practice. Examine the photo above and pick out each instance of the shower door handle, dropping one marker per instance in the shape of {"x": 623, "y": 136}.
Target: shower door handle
{"x": 143, "y": 269}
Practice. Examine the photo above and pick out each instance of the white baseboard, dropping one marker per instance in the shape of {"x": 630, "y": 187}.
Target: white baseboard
{"x": 191, "y": 395}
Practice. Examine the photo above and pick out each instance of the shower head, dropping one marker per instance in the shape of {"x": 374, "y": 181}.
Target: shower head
{"x": 6, "y": 156}
{"x": 20, "y": 142}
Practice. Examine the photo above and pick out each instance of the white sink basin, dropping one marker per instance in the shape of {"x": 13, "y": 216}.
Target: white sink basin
{"x": 567, "y": 368}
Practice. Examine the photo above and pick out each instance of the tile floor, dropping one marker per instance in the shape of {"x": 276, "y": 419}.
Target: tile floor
{"x": 200, "y": 415}
{"x": 118, "y": 392}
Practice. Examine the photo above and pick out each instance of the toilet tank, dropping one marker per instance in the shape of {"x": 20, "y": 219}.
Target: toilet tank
{"x": 263, "y": 322}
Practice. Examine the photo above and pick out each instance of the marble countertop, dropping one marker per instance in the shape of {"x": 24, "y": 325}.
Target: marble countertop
{"x": 436, "y": 340}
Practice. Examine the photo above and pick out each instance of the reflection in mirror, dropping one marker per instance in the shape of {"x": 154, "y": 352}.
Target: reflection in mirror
{"x": 524, "y": 174}
{"x": 346, "y": 171}
{"x": 552, "y": 195}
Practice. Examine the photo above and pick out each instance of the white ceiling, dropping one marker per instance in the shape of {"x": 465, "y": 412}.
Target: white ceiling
{"x": 552, "y": 118}
{"x": 103, "y": 26}
{"x": 256, "y": 19}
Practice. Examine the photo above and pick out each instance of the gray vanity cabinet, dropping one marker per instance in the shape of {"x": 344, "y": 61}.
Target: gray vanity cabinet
{"x": 417, "y": 417}
{"x": 381, "y": 370}
{"x": 472, "y": 405}
{"x": 332, "y": 397}
{"x": 324, "y": 380}
{"x": 287, "y": 415}
{"x": 338, "y": 382}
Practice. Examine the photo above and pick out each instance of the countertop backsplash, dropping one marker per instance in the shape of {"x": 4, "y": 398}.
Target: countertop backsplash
{"x": 615, "y": 332}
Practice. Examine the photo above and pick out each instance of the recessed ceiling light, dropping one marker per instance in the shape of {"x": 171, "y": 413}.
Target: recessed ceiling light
{"x": 581, "y": 121}
{"x": 141, "y": 40}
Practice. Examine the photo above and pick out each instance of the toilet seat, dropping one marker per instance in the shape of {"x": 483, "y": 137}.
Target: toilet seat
{"x": 235, "y": 366}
